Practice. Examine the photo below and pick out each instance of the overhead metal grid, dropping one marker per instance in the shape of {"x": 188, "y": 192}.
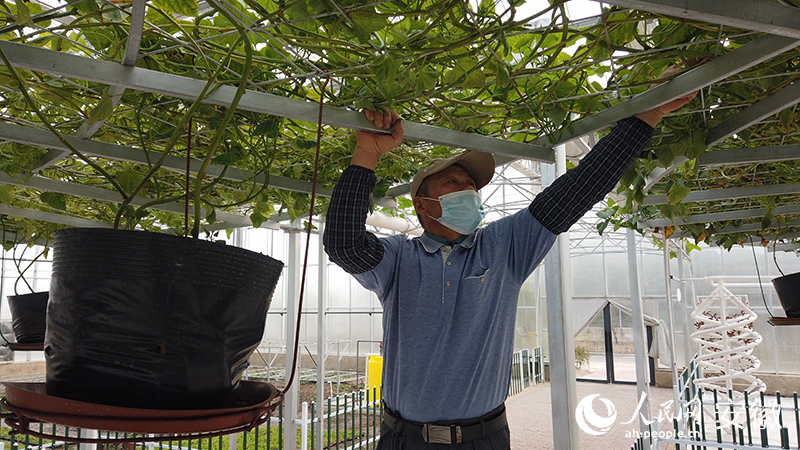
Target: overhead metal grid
{"x": 118, "y": 81}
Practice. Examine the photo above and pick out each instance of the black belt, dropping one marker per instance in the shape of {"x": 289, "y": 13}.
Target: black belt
{"x": 448, "y": 434}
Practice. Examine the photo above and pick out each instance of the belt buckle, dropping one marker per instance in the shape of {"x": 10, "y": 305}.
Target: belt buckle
{"x": 438, "y": 434}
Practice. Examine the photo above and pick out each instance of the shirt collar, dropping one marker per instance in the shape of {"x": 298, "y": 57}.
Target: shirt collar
{"x": 433, "y": 243}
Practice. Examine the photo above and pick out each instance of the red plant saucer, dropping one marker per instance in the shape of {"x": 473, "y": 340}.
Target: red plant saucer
{"x": 775, "y": 321}
{"x": 29, "y": 402}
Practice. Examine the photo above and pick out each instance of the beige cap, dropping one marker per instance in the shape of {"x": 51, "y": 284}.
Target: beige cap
{"x": 479, "y": 166}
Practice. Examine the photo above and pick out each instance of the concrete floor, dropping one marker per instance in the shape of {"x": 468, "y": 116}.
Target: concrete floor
{"x": 531, "y": 423}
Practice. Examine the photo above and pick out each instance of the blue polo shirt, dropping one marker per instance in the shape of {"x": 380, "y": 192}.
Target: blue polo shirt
{"x": 437, "y": 303}
{"x": 449, "y": 314}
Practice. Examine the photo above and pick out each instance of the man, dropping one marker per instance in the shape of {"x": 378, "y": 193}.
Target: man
{"x": 450, "y": 296}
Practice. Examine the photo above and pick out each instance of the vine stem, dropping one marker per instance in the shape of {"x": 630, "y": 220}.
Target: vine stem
{"x": 24, "y": 91}
{"x": 187, "y": 116}
{"x": 226, "y": 118}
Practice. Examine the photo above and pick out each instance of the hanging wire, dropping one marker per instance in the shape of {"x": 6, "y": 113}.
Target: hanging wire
{"x": 308, "y": 236}
{"x": 760, "y": 284}
{"x": 188, "y": 168}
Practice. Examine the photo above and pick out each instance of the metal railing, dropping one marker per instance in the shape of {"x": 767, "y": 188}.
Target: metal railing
{"x": 708, "y": 420}
{"x": 527, "y": 369}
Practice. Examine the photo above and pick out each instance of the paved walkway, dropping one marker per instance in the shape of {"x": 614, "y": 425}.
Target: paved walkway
{"x": 531, "y": 423}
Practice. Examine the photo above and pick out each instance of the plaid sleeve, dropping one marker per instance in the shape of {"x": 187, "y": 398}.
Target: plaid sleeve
{"x": 574, "y": 193}
{"x": 346, "y": 240}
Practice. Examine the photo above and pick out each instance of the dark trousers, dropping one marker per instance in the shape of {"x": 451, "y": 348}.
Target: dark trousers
{"x": 393, "y": 440}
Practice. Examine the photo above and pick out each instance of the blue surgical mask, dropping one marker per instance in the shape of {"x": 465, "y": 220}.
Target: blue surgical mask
{"x": 462, "y": 211}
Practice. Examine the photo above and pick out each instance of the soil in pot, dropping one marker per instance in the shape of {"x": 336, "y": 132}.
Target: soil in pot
{"x": 148, "y": 320}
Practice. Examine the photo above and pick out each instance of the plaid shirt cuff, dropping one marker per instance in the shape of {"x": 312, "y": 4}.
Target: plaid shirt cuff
{"x": 574, "y": 193}
{"x": 346, "y": 240}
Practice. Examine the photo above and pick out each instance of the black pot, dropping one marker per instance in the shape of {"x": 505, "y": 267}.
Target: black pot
{"x": 148, "y": 320}
{"x": 28, "y": 316}
{"x": 788, "y": 289}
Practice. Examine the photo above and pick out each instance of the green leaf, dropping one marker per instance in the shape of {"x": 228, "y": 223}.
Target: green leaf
{"x": 228, "y": 158}
{"x": 6, "y": 194}
{"x": 677, "y": 193}
{"x": 264, "y": 208}
{"x": 690, "y": 247}
{"x": 476, "y": 79}
{"x": 267, "y": 128}
{"x": 23, "y": 14}
{"x": 426, "y": 81}
{"x": 503, "y": 78}
{"x": 303, "y": 144}
{"x": 698, "y": 143}
{"x": 566, "y": 88}
{"x": 600, "y": 51}
{"x": 455, "y": 77}
{"x": 211, "y": 217}
{"x": 670, "y": 211}
{"x": 55, "y": 200}
{"x": 665, "y": 154}
{"x": 389, "y": 90}
{"x": 381, "y": 189}
{"x": 86, "y": 6}
{"x": 384, "y": 67}
{"x": 128, "y": 179}
{"x": 602, "y": 226}
{"x": 786, "y": 117}
{"x": 257, "y": 219}
{"x": 365, "y": 23}
{"x": 182, "y": 7}
{"x": 556, "y": 113}
{"x": 103, "y": 109}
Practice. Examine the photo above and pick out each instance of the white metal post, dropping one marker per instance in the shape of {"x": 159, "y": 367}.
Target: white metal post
{"x": 321, "y": 305}
{"x": 687, "y": 350}
{"x": 292, "y": 293}
{"x": 673, "y": 360}
{"x": 304, "y": 427}
{"x": 233, "y": 440}
{"x": 89, "y": 434}
{"x": 639, "y": 336}
{"x": 560, "y": 333}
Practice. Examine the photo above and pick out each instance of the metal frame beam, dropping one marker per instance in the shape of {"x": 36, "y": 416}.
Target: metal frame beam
{"x": 730, "y": 193}
{"x": 756, "y": 155}
{"x": 115, "y": 74}
{"x": 49, "y": 217}
{"x": 719, "y": 217}
{"x": 764, "y": 16}
{"x": 46, "y": 139}
{"x": 89, "y": 128}
{"x": 786, "y": 97}
{"x": 45, "y": 184}
{"x": 728, "y": 64}
{"x": 689, "y": 81}
{"x": 745, "y": 228}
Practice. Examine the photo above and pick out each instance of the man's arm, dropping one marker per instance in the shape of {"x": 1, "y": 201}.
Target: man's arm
{"x": 573, "y": 194}
{"x": 346, "y": 240}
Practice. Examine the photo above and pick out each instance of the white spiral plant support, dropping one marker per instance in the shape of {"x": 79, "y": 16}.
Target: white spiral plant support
{"x": 725, "y": 333}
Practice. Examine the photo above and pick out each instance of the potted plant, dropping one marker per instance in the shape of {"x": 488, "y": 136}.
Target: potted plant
{"x": 152, "y": 320}
{"x": 28, "y": 310}
{"x": 788, "y": 289}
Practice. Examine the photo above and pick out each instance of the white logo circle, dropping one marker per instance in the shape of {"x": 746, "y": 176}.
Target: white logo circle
{"x": 596, "y": 425}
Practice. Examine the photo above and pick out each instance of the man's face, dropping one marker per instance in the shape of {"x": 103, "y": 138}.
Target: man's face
{"x": 451, "y": 179}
